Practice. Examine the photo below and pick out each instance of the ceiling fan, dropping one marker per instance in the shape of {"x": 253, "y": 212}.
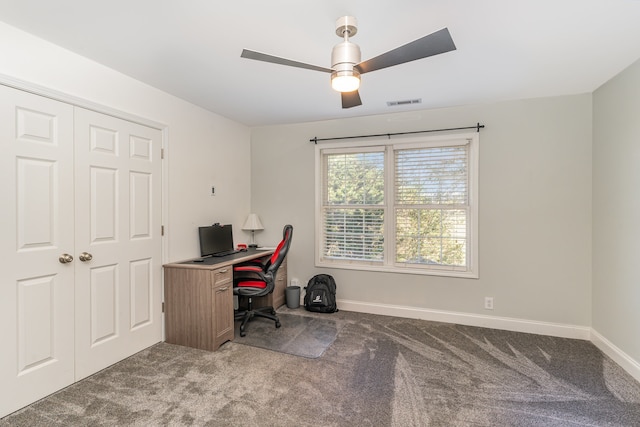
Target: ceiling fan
{"x": 346, "y": 66}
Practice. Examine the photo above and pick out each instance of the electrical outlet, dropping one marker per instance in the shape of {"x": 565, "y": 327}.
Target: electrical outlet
{"x": 488, "y": 303}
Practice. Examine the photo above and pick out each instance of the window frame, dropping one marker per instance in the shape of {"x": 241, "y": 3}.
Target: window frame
{"x": 389, "y": 146}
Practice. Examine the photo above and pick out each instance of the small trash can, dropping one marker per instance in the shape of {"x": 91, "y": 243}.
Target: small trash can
{"x": 292, "y": 296}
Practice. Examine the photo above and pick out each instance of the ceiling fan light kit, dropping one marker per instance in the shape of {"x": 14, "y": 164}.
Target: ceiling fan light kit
{"x": 345, "y": 81}
{"x": 346, "y": 65}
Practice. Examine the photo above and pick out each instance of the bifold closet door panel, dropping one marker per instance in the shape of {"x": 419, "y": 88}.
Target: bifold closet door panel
{"x": 118, "y": 215}
{"x": 80, "y": 243}
{"x": 36, "y": 247}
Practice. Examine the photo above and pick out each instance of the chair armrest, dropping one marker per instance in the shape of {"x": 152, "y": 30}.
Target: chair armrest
{"x": 251, "y": 268}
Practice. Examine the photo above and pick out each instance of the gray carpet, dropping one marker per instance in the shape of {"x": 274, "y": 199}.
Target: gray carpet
{"x": 303, "y": 336}
{"x": 379, "y": 371}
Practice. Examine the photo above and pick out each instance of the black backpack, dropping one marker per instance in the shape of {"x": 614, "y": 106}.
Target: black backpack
{"x": 321, "y": 294}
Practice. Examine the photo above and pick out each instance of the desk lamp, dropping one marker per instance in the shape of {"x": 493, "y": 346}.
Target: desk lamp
{"x": 253, "y": 223}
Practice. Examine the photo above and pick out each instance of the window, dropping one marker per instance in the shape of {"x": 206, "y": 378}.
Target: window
{"x": 408, "y": 206}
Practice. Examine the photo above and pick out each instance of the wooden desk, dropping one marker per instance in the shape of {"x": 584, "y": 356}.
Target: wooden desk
{"x": 198, "y": 299}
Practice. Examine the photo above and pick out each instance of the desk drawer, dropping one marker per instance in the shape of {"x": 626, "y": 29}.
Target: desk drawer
{"x": 222, "y": 275}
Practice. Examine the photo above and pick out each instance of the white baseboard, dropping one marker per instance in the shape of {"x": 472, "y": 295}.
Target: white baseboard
{"x": 620, "y": 357}
{"x": 494, "y": 322}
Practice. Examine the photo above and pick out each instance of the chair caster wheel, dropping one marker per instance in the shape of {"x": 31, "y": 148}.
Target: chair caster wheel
{"x": 242, "y": 333}
{"x": 278, "y": 324}
{"x": 273, "y": 312}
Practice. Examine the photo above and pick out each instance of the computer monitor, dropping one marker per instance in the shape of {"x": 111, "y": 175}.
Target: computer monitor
{"x": 215, "y": 239}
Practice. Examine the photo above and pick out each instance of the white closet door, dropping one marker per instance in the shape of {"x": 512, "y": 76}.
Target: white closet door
{"x": 36, "y": 228}
{"x": 118, "y": 213}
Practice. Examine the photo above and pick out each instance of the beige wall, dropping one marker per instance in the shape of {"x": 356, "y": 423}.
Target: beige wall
{"x": 535, "y": 209}
{"x": 536, "y": 192}
{"x": 537, "y": 164}
{"x": 204, "y": 149}
{"x": 616, "y": 211}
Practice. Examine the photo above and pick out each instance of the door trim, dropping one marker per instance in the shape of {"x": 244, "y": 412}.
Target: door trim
{"x": 77, "y": 101}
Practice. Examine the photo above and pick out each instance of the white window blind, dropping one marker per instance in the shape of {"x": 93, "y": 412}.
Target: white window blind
{"x": 353, "y": 206}
{"x": 432, "y": 205}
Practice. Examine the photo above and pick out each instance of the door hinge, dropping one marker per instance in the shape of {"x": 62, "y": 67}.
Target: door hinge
{"x": 162, "y": 153}
{"x": 163, "y": 307}
{"x": 162, "y": 230}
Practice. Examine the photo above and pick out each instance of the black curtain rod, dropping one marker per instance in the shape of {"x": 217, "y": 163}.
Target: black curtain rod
{"x": 389, "y": 135}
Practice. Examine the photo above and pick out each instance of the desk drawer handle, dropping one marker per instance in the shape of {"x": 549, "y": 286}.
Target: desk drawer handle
{"x": 223, "y": 271}
{"x": 223, "y": 289}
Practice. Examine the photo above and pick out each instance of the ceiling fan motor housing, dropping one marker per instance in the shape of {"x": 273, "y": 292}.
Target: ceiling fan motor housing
{"x": 343, "y": 60}
{"x": 346, "y": 54}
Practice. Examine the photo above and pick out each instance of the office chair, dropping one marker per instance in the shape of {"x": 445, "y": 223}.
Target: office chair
{"x": 259, "y": 279}
{"x": 257, "y": 265}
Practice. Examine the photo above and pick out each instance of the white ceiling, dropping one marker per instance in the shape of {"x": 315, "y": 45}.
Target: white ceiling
{"x": 506, "y": 49}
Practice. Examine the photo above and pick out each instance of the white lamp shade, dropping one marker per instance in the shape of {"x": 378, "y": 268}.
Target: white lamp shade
{"x": 252, "y": 223}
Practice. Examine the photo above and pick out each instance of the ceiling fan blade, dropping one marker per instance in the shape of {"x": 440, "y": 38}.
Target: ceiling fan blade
{"x": 432, "y": 44}
{"x": 250, "y": 54}
{"x": 351, "y": 99}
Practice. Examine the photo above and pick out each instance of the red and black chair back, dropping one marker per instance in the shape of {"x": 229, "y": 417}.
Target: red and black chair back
{"x": 256, "y": 280}
{"x": 261, "y": 277}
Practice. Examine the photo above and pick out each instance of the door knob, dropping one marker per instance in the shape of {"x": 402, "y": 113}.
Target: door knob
{"x": 85, "y": 256}
{"x": 65, "y": 258}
